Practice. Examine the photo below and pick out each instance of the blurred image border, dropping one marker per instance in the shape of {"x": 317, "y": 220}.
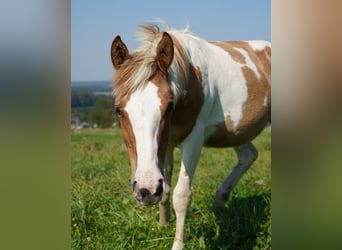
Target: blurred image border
{"x": 35, "y": 180}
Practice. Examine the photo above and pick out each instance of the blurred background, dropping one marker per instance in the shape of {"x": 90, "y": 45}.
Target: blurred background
{"x": 37, "y": 60}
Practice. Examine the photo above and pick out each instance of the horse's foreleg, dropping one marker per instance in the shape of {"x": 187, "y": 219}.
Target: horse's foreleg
{"x": 181, "y": 202}
{"x": 246, "y": 154}
{"x": 164, "y": 205}
{"x": 191, "y": 150}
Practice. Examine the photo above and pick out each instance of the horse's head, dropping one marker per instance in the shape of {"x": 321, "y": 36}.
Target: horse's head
{"x": 144, "y": 103}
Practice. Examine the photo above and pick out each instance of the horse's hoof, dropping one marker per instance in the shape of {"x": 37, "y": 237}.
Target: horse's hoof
{"x": 221, "y": 199}
{"x": 178, "y": 245}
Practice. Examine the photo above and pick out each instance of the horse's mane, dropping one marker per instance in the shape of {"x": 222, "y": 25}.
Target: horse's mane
{"x": 135, "y": 72}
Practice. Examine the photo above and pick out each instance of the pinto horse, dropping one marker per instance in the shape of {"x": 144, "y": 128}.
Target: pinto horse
{"x": 178, "y": 90}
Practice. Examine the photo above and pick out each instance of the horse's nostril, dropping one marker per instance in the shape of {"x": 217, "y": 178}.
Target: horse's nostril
{"x": 160, "y": 189}
{"x": 144, "y": 192}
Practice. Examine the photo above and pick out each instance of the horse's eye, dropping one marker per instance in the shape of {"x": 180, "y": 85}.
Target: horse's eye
{"x": 169, "y": 108}
{"x": 118, "y": 110}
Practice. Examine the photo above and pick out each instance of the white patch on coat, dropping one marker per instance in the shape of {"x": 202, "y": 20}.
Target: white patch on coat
{"x": 143, "y": 109}
{"x": 230, "y": 83}
{"x": 249, "y": 62}
{"x": 265, "y": 101}
{"x": 222, "y": 83}
{"x": 259, "y": 45}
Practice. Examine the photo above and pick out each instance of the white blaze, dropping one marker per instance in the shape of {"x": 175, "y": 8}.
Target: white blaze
{"x": 143, "y": 109}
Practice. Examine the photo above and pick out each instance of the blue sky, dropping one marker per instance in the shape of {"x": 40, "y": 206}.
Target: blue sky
{"x": 94, "y": 24}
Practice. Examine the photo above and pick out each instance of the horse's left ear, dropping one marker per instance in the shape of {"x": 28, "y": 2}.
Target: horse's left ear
{"x": 164, "y": 52}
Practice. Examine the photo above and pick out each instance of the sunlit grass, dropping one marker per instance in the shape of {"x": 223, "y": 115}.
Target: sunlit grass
{"x": 104, "y": 214}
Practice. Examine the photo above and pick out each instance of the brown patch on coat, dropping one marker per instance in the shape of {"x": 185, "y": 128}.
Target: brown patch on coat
{"x": 128, "y": 135}
{"x": 264, "y": 57}
{"x": 229, "y": 47}
{"x": 261, "y": 58}
{"x": 255, "y": 113}
{"x": 187, "y": 108}
{"x": 198, "y": 74}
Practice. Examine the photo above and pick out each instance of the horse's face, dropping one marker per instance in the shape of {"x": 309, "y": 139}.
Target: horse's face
{"x": 145, "y": 120}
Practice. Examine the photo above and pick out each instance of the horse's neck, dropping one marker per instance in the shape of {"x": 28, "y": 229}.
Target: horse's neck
{"x": 197, "y": 50}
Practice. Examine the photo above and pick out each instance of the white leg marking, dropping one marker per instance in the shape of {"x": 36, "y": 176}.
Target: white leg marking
{"x": 191, "y": 150}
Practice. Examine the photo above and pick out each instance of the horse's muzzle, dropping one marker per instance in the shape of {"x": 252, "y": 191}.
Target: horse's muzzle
{"x": 145, "y": 197}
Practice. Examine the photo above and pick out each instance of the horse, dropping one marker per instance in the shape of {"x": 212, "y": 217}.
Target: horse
{"x": 179, "y": 90}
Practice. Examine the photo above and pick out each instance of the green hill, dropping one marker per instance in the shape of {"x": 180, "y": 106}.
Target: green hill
{"x": 96, "y": 87}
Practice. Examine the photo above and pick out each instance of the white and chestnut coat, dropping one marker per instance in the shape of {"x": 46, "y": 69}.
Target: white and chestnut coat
{"x": 180, "y": 90}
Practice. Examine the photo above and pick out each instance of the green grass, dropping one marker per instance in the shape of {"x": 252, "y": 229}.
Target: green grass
{"x": 104, "y": 214}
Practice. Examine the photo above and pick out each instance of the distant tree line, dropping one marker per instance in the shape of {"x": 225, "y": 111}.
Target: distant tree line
{"x": 83, "y": 99}
{"x": 96, "y": 109}
{"x": 103, "y": 113}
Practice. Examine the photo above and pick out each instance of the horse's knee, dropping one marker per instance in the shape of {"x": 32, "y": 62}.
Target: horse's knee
{"x": 181, "y": 198}
{"x": 247, "y": 154}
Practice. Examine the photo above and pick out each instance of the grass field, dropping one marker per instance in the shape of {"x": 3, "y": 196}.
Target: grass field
{"x": 104, "y": 214}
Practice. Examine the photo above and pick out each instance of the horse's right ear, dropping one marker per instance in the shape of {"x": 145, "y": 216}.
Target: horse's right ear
{"x": 165, "y": 52}
{"x": 119, "y": 52}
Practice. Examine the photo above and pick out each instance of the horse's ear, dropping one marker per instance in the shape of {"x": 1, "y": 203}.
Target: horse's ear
{"x": 164, "y": 52}
{"x": 119, "y": 52}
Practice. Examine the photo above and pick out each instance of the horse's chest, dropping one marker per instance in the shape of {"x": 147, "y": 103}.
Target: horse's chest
{"x": 183, "y": 120}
